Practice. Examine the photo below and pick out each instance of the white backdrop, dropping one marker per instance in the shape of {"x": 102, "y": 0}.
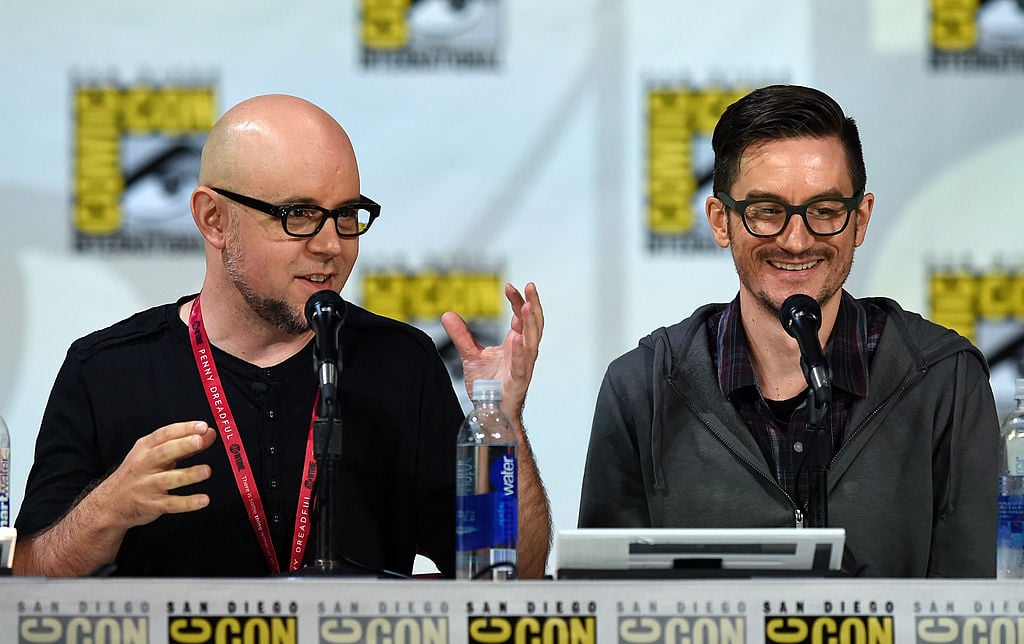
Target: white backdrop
{"x": 536, "y": 166}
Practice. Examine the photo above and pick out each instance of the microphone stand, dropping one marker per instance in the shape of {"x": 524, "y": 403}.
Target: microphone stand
{"x": 327, "y": 450}
{"x": 818, "y": 443}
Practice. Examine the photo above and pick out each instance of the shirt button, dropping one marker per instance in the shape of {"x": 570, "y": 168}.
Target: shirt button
{"x": 798, "y": 447}
{"x": 273, "y": 484}
{"x": 272, "y": 450}
{"x": 271, "y": 414}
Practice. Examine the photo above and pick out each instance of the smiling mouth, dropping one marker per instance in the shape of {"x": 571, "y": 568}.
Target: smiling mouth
{"x": 317, "y": 279}
{"x": 794, "y": 267}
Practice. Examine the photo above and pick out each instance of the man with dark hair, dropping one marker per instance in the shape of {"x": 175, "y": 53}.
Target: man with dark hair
{"x": 703, "y": 425}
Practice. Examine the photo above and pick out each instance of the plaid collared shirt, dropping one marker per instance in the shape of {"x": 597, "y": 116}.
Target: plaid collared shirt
{"x": 852, "y": 344}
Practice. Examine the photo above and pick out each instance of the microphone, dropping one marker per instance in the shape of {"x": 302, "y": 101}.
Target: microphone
{"x": 800, "y": 316}
{"x": 325, "y": 312}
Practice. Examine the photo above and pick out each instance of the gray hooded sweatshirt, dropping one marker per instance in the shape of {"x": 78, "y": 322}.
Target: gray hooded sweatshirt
{"x": 913, "y": 483}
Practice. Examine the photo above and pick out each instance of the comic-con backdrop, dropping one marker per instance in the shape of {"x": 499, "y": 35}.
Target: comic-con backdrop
{"x": 565, "y": 143}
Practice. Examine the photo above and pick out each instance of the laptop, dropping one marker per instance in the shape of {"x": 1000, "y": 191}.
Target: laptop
{"x": 602, "y": 553}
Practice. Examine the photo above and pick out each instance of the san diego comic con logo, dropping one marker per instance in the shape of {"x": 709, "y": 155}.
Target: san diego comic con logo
{"x": 263, "y": 621}
{"x": 830, "y": 622}
{"x": 666, "y": 628}
{"x": 964, "y": 299}
{"x": 83, "y": 628}
{"x": 986, "y": 35}
{"x": 430, "y": 34}
{"x": 982, "y": 629}
{"x": 537, "y": 622}
{"x": 422, "y": 622}
{"x": 830, "y": 629}
{"x": 680, "y": 121}
{"x": 55, "y": 622}
{"x": 986, "y": 306}
{"x": 136, "y": 152}
{"x": 351, "y": 630}
{"x": 421, "y": 296}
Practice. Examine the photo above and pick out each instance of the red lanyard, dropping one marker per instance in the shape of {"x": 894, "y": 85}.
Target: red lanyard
{"x": 225, "y": 421}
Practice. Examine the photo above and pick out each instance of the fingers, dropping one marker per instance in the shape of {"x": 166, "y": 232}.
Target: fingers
{"x": 138, "y": 488}
{"x": 512, "y": 361}
{"x": 178, "y": 478}
{"x": 534, "y": 317}
{"x": 460, "y": 335}
{"x": 171, "y": 443}
{"x": 527, "y": 314}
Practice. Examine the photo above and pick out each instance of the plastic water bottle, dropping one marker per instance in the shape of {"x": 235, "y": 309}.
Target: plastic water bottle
{"x": 5, "y": 475}
{"x": 1010, "y": 552}
{"x": 486, "y": 488}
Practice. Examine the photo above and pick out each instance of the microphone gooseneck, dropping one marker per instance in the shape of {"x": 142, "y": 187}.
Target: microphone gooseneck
{"x": 800, "y": 316}
{"x": 325, "y": 312}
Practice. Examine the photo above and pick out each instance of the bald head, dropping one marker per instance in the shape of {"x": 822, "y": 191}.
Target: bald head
{"x": 282, "y": 146}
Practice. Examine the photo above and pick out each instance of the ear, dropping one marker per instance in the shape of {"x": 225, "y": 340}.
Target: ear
{"x": 863, "y": 215}
{"x": 210, "y": 219}
{"x": 718, "y": 217}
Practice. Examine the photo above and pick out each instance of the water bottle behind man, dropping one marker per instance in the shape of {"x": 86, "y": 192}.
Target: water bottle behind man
{"x": 1010, "y": 552}
{"x": 5, "y": 475}
{"x": 487, "y": 499}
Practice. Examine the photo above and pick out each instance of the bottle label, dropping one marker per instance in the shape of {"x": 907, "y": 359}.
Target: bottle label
{"x": 488, "y": 503}
{"x": 5, "y": 487}
{"x": 1011, "y": 521}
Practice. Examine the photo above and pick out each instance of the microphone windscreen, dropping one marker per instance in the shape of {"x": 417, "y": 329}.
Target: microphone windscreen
{"x": 325, "y": 303}
{"x": 799, "y": 307}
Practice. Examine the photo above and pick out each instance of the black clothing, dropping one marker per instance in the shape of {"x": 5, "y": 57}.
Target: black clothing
{"x": 394, "y": 492}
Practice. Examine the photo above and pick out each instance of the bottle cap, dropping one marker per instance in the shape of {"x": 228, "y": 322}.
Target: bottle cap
{"x": 487, "y": 388}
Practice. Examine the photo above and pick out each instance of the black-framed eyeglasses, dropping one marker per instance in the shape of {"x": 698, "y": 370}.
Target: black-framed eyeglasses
{"x": 306, "y": 220}
{"x": 768, "y": 217}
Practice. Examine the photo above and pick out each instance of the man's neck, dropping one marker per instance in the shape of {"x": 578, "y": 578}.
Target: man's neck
{"x": 237, "y": 330}
{"x": 774, "y": 354}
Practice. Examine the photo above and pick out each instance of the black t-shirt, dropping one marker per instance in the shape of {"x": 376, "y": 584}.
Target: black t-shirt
{"x": 394, "y": 489}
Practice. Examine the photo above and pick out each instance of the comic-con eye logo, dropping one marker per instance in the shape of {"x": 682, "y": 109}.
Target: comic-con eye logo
{"x": 420, "y": 297}
{"x": 680, "y": 121}
{"x": 136, "y": 160}
{"x": 977, "y": 34}
{"x": 428, "y": 34}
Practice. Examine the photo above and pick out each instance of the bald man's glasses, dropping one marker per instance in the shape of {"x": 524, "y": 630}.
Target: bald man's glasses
{"x": 306, "y": 220}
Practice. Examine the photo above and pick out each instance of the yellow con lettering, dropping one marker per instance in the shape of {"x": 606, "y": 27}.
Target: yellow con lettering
{"x": 98, "y": 181}
{"x": 670, "y": 181}
{"x": 384, "y": 25}
{"x": 953, "y": 299}
{"x": 953, "y": 26}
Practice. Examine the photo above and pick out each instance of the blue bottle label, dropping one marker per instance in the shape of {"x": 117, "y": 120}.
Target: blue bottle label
{"x": 1011, "y": 521}
{"x": 489, "y": 518}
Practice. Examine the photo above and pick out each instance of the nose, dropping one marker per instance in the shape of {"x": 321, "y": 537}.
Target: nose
{"x": 327, "y": 241}
{"x": 796, "y": 237}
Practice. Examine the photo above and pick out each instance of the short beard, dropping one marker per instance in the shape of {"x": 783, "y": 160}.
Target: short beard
{"x": 275, "y": 312}
{"x": 828, "y": 290}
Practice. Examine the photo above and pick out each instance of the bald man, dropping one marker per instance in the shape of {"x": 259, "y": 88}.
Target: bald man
{"x": 175, "y": 443}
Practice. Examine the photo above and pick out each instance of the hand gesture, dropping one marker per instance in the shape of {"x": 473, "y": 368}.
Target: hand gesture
{"x": 136, "y": 492}
{"x": 512, "y": 362}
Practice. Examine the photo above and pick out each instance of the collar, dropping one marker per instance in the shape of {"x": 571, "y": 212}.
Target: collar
{"x": 848, "y": 351}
